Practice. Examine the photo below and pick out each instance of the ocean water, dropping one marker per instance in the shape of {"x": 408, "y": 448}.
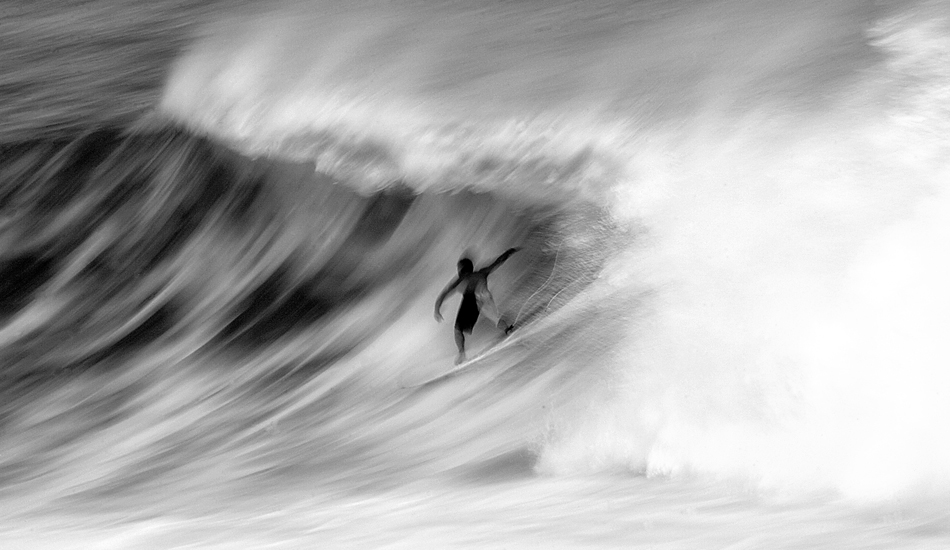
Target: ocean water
{"x": 223, "y": 226}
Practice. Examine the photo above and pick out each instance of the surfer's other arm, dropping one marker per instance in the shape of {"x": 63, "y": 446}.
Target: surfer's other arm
{"x": 500, "y": 260}
{"x": 445, "y": 292}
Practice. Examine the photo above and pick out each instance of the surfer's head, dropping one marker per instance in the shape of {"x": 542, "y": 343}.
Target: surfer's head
{"x": 465, "y": 266}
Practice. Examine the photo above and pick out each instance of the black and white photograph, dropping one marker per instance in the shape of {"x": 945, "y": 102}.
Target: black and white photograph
{"x": 474, "y": 274}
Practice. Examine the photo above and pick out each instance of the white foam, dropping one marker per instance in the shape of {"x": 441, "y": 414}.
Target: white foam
{"x": 798, "y": 337}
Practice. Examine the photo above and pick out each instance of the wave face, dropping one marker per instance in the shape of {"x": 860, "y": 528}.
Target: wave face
{"x": 732, "y": 215}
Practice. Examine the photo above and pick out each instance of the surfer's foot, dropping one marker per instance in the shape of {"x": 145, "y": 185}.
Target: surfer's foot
{"x": 460, "y": 359}
{"x": 508, "y": 329}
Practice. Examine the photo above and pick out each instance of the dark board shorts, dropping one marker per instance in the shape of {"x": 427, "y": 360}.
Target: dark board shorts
{"x": 468, "y": 313}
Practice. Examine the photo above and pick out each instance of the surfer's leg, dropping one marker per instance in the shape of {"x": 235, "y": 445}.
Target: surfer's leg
{"x": 460, "y": 342}
{"x": 490, "y": 310}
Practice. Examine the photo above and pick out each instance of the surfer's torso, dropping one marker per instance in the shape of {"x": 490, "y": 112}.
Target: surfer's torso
{"x": 474, "y": 283}
{"x": 474, "y": 289}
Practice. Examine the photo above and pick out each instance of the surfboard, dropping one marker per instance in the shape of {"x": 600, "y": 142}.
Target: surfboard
{"x": 482, "y": 357}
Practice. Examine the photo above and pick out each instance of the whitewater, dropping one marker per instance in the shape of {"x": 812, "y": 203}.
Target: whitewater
{"x": 223, "y": 227}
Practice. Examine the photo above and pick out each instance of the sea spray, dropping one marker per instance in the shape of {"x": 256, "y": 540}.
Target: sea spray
{"x": 793, "y": 342}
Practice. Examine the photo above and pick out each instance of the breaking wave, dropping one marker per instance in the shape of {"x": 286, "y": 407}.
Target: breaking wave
{"x": 726, "y": 271}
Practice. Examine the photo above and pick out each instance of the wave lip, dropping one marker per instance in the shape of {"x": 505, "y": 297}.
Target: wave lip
{"x": 372, "y": 145}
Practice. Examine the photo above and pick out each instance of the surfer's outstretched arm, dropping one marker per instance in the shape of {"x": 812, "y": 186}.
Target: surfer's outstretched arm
{"x": 445, "y": 292}
{"x": 500, "y": 260}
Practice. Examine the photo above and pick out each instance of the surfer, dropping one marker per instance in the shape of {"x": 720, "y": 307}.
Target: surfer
{"x": 475, "y": 299}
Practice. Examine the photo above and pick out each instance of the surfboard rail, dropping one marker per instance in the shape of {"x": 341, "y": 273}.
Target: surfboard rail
{"x": 517, "y": 336}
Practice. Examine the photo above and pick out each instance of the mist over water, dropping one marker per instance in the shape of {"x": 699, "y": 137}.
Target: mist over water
{"x": 732, "y": 218}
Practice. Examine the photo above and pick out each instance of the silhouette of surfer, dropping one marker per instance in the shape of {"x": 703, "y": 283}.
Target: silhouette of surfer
{"x": 476, "y": 299}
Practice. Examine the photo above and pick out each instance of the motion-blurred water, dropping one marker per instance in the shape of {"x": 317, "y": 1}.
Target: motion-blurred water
{"x": 224, "y": 226}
